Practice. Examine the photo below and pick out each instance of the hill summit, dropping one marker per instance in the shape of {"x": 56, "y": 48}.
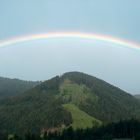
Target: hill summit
{"x": 73, "y": 99}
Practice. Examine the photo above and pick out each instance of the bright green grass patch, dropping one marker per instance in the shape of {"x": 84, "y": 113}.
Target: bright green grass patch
{"x": 80, "y": 118}
{"x": 76, "y": 94}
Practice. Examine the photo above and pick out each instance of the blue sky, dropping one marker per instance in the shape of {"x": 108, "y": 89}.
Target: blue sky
{"x": 40, "y": 61}
{"x": 120, "y": 18}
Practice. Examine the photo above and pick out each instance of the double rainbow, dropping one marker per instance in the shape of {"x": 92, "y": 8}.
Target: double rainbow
{"x": 75, "y": 35}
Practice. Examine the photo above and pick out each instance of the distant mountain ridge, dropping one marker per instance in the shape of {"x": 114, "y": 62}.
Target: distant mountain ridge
{"x": 11, "y": 87}
{"x": 54, "y": 103}
{"x": 137, "y": 96}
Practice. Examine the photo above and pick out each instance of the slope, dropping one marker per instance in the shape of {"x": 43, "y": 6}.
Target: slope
{"x": 80, "y": 118}
{"x": 110, "y": 103}
{"x": 11, "y": 87}
{"x": 43, "y": 107}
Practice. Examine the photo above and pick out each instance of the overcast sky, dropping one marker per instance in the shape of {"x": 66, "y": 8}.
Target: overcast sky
{"x": 40, "y": 60}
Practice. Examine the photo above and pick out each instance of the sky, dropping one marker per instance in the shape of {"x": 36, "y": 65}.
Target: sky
{"x": 39, "y": 60}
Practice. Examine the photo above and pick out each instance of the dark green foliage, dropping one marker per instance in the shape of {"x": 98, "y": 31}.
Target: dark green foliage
{"x": 30, "y": 136}
{"x": 36, "y": 109}
{"x": 137, "y": 137}
{"x": 41, "y": 108}
{"x": 34, "y": 113}
{"x": 122, "y": 130}
{"x": 12, "y": 87}
{"x": 113, "y": 104}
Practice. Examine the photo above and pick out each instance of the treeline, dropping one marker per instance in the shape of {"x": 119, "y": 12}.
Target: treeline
{"x": 122, "y": 129}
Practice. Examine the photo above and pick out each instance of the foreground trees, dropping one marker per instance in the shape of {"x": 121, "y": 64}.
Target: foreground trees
{"x": 122, "y": 129}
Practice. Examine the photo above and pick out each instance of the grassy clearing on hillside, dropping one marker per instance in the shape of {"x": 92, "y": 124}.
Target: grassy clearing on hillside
{"x": 76, "y": 94}
{"x": 80, "y": 118}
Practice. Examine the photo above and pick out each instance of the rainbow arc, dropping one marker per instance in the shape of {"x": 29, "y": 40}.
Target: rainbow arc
{"x": 76, "y": 35}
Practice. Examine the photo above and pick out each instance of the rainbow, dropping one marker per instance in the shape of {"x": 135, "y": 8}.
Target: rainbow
{"x": 77, "y": 35}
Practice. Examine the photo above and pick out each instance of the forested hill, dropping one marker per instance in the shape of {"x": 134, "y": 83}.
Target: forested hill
{"x": 11, "y": 87}
{"x": 73, "y": 99}
{"x": 112, "y": 103}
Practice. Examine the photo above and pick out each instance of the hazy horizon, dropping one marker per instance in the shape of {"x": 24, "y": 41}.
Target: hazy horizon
{"x": 39, "y": 60}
